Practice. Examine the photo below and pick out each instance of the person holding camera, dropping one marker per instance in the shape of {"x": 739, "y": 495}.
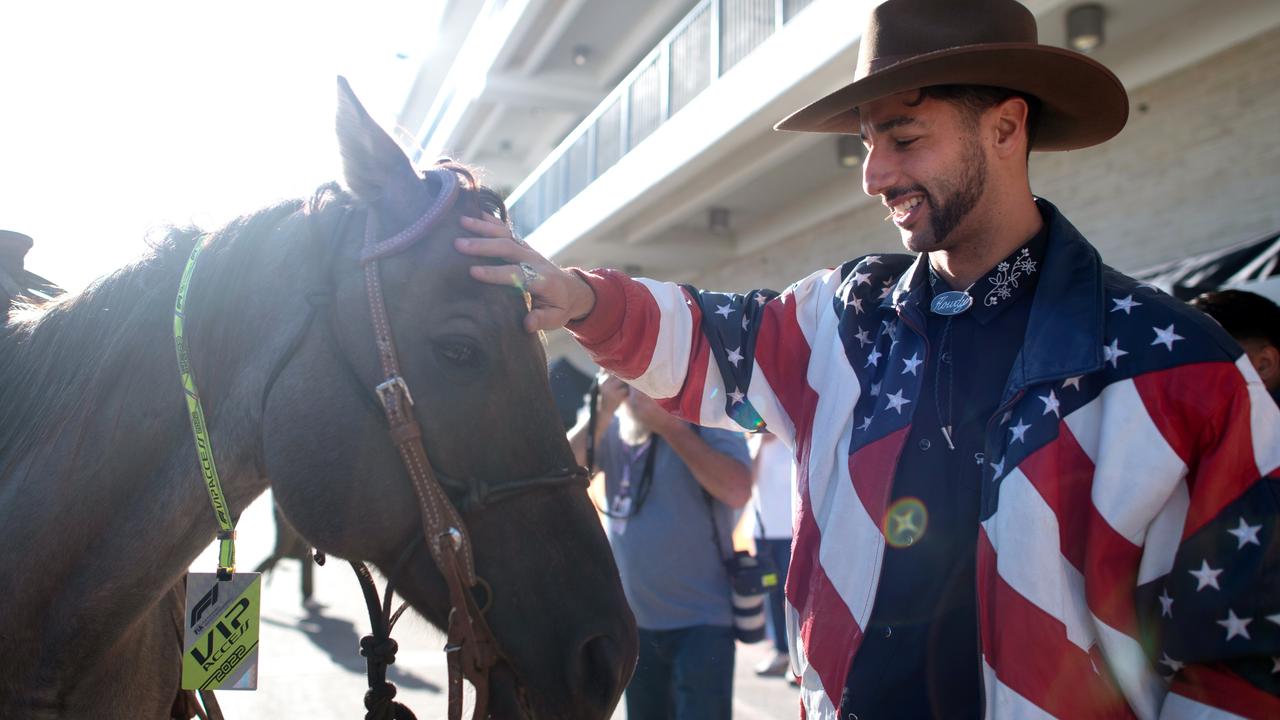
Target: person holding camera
{"x": 671, "y": 492}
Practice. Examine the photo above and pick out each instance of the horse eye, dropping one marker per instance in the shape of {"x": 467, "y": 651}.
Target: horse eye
{"x": 459, "y": 353}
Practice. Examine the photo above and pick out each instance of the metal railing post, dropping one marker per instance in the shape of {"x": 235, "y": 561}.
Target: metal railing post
{"x": 592, "y": 137}
{"x": 624, "y": 121}
{"x": 715, "y": 39}
{"x": 566, "y": 173}
{"x": 664, "y": 83}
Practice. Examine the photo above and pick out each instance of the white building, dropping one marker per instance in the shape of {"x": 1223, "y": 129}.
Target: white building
{"x": 638, "y": 134}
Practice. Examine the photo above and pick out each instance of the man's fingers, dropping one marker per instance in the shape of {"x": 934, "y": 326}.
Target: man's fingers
{"x": 509, "y": 275}
{"x": 500, "y": 247}
{"x": 488, "y": 227}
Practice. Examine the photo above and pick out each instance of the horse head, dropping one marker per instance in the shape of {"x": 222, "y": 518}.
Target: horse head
{"x": 489, "y": 426}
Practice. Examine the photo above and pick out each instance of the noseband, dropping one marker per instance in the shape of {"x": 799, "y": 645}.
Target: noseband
{"x": 472, "y": 648}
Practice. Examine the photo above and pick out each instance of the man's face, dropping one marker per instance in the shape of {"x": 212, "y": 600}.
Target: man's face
{"x": 1265, "y": 358}
{"x": 926, "y": 163}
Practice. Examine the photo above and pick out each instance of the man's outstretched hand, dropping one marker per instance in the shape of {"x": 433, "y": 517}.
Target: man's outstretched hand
{"x": 558, "y": 296}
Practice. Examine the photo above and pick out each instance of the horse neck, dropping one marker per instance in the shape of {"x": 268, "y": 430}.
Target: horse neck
{"x": 109, "y": 506}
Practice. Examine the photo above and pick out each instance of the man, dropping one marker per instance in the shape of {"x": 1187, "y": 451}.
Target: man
{"x": 1254, "y": 322}
{"x": 1028, "y": 486}
{"x": 770, "y": 513}
{"x": 671, "y": 493}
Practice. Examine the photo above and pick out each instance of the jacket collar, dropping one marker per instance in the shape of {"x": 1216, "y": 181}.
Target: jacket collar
{"x": 1064, "y": 335}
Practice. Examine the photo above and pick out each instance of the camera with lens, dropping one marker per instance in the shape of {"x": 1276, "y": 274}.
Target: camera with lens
{"x": 751, "y": 578}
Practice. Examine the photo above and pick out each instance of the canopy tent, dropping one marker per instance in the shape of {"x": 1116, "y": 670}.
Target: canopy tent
{"x": 1253, "y": 265}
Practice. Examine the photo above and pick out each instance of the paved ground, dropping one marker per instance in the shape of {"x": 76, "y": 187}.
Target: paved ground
{"x": 311, "y": 666}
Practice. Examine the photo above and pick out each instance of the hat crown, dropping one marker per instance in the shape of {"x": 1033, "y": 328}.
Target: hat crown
{"x": 899, "y": 30}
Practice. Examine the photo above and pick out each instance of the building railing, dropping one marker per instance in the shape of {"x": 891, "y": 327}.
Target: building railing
{"x": 707, "y": 43}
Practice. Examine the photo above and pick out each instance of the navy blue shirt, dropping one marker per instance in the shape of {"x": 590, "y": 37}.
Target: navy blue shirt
{"x": 920, "y": 657}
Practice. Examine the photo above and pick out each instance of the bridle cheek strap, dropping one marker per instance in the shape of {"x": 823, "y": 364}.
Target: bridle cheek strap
{"x": 440, "y": 520}
{"x": 472, "y": 649}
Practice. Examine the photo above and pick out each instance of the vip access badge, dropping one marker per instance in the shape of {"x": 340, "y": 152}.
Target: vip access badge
{"x": 221, "y": 642}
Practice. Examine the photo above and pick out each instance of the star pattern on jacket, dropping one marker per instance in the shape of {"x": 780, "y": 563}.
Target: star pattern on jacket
{"x": 1166, "y": 337}
{"x": 1126, "y": 304}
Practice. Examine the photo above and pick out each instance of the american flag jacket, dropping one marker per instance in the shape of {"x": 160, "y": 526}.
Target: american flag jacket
{"x": 1128, "y": 556}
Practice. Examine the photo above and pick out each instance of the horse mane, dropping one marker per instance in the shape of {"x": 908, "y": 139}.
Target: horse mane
{"x": 61, "y": 360}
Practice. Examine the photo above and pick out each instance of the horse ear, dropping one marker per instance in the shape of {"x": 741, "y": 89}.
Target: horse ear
{"x": 372, "y": 164}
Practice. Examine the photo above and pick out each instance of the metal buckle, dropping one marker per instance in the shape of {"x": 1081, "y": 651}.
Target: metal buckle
{"x": 386, "y": 388}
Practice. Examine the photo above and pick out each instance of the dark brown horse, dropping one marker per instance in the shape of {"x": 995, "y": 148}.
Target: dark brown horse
{"x": 101, "y": 503}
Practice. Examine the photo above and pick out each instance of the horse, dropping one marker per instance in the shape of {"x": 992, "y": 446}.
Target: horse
{"x": 102, "y": 503}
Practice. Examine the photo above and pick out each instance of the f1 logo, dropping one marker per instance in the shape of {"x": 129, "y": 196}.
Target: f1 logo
{"x": 205, "y": 604}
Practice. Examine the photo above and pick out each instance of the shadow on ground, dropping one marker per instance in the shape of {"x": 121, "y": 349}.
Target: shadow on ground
{"x": 340, "y": 640}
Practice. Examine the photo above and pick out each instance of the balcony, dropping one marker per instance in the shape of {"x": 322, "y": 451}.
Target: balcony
{"x": 707, "y": 43}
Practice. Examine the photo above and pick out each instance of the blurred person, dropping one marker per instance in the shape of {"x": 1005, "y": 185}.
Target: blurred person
{"x": 1254, "y": 322}
{"x": 1028, "y": 485}
{"x": 671, "y": 493}
{"x": 770, "y": 516}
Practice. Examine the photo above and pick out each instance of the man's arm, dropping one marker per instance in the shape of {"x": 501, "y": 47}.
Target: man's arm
{"x": 718, "y": 360}
{"x": 1216, "y": 611}
{"x": 727, "y": 478}
{"x": 612, "y": 392}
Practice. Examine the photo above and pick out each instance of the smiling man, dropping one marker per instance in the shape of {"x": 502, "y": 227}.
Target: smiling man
{"x": 1027, "y": 485}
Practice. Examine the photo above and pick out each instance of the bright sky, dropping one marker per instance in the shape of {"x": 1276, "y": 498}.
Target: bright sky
{"x": 118, "y": 118}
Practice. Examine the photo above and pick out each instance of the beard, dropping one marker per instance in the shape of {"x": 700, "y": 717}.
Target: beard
{"x": 630, "y": 430}
{"x": 954, "y": 199}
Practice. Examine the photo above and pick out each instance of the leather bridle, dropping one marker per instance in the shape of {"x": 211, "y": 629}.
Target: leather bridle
{"x": 471, "y": 647}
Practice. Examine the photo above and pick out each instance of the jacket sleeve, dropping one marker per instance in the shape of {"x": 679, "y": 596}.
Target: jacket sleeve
{"x": 1214, "y": 618}
{"x": 734, "y": 361}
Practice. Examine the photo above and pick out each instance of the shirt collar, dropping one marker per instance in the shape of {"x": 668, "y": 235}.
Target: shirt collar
{"x": 1065, "y": 329}
{"x": 1009, "y": 281}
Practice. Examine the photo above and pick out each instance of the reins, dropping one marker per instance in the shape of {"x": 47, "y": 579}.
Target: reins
{"x": 472, "y": 650}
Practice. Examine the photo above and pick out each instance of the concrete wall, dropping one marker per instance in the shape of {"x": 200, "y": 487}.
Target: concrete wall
{"x": 1197, "y": 168}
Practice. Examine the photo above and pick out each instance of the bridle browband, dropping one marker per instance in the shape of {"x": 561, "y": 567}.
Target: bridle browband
{"x": 471, "y": 647}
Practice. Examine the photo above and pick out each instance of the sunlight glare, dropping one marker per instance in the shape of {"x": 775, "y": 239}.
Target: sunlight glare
{"x": 124, "y": 118}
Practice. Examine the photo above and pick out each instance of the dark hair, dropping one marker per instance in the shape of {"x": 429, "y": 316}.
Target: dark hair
{"x": 977, "y": 99}
{"x": 1244, "y": 315}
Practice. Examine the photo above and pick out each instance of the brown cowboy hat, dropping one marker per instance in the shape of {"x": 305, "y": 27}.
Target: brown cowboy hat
{"x": 910, "y": 44}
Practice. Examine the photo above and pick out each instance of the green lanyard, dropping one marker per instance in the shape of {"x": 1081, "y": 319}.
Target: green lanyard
{"x": 226, "y": 528}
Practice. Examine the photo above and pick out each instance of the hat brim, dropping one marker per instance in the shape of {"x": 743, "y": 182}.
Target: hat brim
{"x": 1082, "y": 102}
